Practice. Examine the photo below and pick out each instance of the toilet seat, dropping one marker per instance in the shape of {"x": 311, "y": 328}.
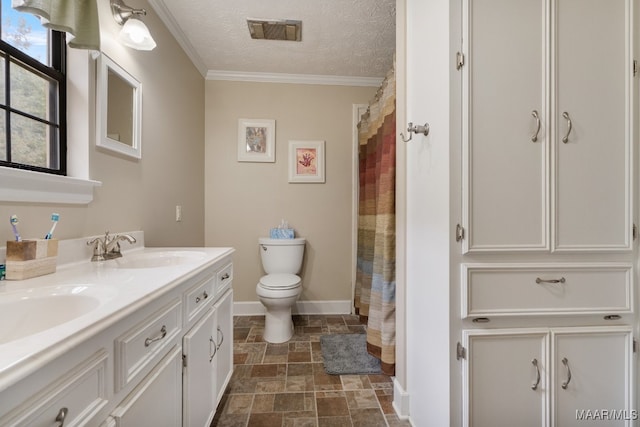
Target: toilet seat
{"x": 279, "y": 281}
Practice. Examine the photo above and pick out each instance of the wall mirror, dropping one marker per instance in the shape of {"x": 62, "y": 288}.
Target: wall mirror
{"x": 118, "y": 109}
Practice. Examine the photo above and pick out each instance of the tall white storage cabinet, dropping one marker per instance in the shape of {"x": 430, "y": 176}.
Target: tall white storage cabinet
{"x": 546, "y": 229}
{"x": 547, "y": 120}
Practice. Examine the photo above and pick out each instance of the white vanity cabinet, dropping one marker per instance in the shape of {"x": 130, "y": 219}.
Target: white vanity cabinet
{"x": 156, "y": 401}
{"x": 547, "y": 125}
{"x": 548, "y": 377}
{"x": 208, "y": 356}
{"x": 165, "y": 361}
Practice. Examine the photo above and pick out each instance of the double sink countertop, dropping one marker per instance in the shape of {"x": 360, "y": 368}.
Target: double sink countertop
{"x": 46, "y": 316}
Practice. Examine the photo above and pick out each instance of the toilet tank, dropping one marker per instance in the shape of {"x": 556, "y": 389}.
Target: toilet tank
{"x": 281, "y": 255}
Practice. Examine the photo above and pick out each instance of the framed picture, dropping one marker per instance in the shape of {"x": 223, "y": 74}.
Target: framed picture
{"x": 256, "y": 140}
{"x": 306, "y": 161}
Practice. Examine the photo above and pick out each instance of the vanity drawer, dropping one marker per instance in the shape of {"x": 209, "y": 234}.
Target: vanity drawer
{"x": 81, "y": 391}
{"x": 532, "y": 289}
{"x": 145, "y": 343}
{"x": 197, "y": 298}
{"x": 224, "y": 279}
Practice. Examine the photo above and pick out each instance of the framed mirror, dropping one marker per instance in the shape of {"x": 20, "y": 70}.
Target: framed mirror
{"x": 118, "y": 109}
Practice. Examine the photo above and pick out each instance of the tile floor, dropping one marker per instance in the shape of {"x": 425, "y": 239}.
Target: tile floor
{"x": 285, "y": 384}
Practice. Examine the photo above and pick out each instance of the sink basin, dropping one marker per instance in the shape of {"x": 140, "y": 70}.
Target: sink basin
{"x": 29, "y": 311}
{"x": 157, "y": 259}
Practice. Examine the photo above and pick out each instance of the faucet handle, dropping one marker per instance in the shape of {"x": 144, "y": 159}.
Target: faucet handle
{"x": 98, "y": 249}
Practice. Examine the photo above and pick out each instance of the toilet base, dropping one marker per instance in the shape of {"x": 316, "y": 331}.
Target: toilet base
{"x": 278, "y": 326}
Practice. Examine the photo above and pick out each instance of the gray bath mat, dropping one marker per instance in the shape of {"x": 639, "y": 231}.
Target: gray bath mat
{"x": 346, "y": 354}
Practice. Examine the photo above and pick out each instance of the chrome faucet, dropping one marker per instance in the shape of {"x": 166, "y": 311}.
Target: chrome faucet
{"x": 107, "y": 247}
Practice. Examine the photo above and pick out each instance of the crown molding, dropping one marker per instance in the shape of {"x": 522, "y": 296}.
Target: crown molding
{"x": 165, "y": 16}
{"x": 310, "y": 79}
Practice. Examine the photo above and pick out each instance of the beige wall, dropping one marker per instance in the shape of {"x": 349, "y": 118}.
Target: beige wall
{"x": 243, "y": 200}
{"x": 137, "y": 195}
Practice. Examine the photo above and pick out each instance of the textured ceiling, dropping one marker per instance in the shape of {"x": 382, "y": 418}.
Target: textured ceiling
{"x": 354, "y": 38}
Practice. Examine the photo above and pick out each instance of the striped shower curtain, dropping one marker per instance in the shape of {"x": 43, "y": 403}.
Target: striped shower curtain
{"x": 375, "y": 273}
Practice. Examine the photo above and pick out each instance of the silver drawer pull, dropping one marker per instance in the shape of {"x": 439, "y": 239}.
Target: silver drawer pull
{"x": 225, "y": 276}
{"x": 565, "y": 139}
{"x": 62, "y": 414}
{"x": 215, "y": 349}
{"x": 560, "y": 280}
{"x": 535, "y": 385}
{"x": 565, "y": 384}
{"x": 205, "y": 295}
{"x": 534, "y": 138}
{"x": 163, "y": 333}
{"x": 221, "y": 340}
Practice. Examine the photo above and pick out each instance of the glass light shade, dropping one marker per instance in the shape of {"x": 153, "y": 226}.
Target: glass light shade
{"x": 136, "y": 35}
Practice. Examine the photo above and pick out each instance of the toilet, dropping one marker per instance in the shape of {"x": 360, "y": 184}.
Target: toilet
{"x": 280, "y": 288}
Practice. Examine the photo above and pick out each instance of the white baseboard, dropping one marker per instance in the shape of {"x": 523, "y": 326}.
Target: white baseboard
{"x": 400, "y": 401}
{"x": 255, "y": 308}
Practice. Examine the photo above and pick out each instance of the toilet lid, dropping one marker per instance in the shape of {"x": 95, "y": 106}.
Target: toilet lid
{"x": 279, "y": 281}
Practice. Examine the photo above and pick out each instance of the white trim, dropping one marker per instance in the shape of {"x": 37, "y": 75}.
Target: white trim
{"x": 310, "y": 79}
{"x": 28, "y": 186}
{"x": 165, "y": 16}
{"x": 357, "y": 110}
{"x": 400, "y": 401}
{"x": 255, "y": 308}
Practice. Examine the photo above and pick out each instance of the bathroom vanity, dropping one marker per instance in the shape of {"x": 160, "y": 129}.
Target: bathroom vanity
{"x": 146, "y": 339}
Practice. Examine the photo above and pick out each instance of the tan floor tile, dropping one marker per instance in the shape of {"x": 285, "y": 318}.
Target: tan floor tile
{"x": 355, "y": 382}
{"x": 290, "y": 421}
{"x": 263, "y": 370}
{"x": 287, "y": 402}
{"x": 263, "y": 403}
{"x": 386, "y": 403}
{"x": 299, "y": 383}
{"x": 270, "y": 386}
{"x": 334, "y": 422}
{"x": 239, "y": 404}
{"x": 297, "y": 369}
{"x": 361, "y": 399}
{"x": 332, "y": 406}
{"x": 265, "y": 420}
{"x": 230, "y": 420}
{"x": 394, "y": 421}
{"x": 275, "y": 358}
{"x": 299, "y": 356}
{"x": 368, "y": 417}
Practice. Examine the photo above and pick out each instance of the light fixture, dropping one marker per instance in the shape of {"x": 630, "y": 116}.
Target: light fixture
{"x": 134, "y": 33}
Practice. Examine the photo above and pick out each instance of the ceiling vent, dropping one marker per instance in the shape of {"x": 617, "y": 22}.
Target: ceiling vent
{"x": 268, "y": 29}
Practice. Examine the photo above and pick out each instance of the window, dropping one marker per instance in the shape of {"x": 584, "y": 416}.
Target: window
{"x": 32, "y": 94}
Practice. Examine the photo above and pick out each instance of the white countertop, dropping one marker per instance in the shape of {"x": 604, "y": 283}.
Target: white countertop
{"x": 127, "y": 289}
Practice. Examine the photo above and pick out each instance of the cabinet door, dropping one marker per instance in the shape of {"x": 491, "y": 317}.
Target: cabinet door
{"x": 156, "y": 401}
{"x": 199, "y": 376}
{"x": 505, "y": 379}
{"x": 505, "y": 185}
{"x": 224, "y": 355}
{"x": 591, "y": 374}
{"x": 593, "y": 90}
